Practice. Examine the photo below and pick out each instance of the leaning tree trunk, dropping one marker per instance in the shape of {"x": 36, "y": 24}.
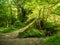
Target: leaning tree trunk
{"x": 15, "y": 33}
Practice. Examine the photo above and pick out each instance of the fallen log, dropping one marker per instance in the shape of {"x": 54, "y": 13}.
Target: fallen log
{"x": 15, "y": 33}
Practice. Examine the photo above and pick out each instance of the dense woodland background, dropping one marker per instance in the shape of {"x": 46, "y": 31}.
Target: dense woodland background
{"x": 43, "y": 15}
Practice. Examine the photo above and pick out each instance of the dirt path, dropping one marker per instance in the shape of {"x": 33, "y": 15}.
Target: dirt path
{"x": 26, "y": 41}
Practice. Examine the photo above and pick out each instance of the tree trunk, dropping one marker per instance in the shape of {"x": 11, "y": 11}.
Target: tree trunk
{"x": 15, "y": 33}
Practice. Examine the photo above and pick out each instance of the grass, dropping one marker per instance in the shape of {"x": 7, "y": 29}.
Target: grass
{"x": 30, "y": 33}
{"x": 11, "y": 28}
{"x": 53, "y": 40}
{"x": 6, "y": 30}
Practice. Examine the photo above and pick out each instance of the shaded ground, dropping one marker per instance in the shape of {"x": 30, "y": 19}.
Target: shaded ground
{"x": 26, "y": 41}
